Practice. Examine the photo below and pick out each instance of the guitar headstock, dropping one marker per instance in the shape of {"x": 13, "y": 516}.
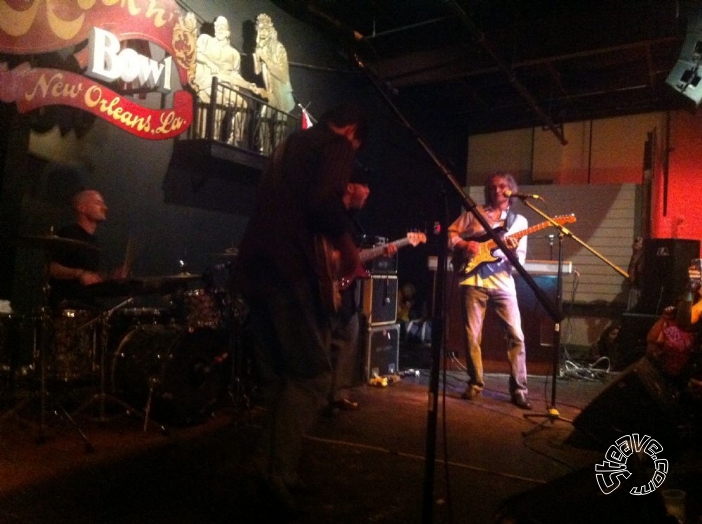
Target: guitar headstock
{"x": 416, "y": 238}
{"x": 565, "y": 219}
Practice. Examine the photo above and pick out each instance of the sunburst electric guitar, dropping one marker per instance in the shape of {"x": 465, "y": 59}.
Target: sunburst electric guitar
{"x": 332, "y": 284}
{"x": 465, "y": 265}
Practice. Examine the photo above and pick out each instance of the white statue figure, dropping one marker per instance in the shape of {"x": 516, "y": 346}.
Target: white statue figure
{"x": 217, "y": 57}
{"x": 271, "y": 62}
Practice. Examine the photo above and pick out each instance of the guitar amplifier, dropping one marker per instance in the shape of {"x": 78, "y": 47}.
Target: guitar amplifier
{"x": 382, "y": 355}
{"x": 383, "y": 265}
{"x": 379, "y": 299}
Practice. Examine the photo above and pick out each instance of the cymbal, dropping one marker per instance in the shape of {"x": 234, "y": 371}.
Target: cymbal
{"x": 54, "y": 242}
{"x": 229, "y": 253}
{"x": 178, "y": 277}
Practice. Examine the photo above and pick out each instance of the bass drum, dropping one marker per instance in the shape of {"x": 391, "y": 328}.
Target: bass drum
{"x": 185, "y": 372}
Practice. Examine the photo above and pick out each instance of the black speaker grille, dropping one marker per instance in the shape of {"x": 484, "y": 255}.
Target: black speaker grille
{"x": 665, "y": 272}
{"x": 382, "y": 350}
{"x": 380, "y": 299}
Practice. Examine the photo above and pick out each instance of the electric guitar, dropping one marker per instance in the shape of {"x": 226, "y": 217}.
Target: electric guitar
{"x": 366, "y": 255}
{"x": 466, "y": 264}
{"x": 331, "y": 284}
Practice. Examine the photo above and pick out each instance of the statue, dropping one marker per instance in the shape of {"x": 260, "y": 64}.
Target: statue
{"x": 217, "y": 57}
{"x": 271, "y": 62}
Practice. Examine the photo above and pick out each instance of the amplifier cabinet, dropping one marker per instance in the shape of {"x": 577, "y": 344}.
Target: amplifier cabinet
{"x": 382, "y": 351}
{"x": 379, "y": 299}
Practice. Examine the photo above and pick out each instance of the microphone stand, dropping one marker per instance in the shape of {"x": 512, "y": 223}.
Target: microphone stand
{"x": 437, "y": 319}
{"x": 552, "y": 415}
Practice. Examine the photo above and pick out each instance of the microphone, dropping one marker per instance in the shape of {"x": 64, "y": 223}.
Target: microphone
{"x": 523, "y": 196}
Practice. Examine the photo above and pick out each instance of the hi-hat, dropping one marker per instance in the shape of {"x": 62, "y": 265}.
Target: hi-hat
{"x": 231, "y": 252}
{"x": 56, "y": 243}
{"x": 178, "y": 277}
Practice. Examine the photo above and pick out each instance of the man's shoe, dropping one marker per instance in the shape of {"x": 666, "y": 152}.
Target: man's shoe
{"x": 472, "y": 392}
{"x": 521, "y": 402}
{"x": 345, "y": 404}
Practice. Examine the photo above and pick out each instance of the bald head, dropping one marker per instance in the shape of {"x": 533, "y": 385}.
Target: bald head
{"x": 89, "y": 208}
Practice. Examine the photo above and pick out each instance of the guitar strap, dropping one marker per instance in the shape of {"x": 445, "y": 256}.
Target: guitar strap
{"x": 509, "y": 219}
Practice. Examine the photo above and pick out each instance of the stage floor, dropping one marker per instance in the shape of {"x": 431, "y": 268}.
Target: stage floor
{"x": 362, "y": 466}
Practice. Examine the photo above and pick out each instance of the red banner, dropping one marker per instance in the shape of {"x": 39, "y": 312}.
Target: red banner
{"x": 34, "y": 88}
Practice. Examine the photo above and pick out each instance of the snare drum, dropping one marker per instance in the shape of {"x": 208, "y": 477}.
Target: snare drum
{"x": 73, "y": 355}
{"x": 184, "y": 371}
{"x": 203, "y": 308}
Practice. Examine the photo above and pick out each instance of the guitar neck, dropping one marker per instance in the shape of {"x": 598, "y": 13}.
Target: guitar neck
{"x": 519, "y": 234}
{"x": 368, "y": 254}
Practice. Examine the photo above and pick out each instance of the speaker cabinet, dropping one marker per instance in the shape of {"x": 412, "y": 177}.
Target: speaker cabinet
{"x": 665, "y": 272}
{"x": 379, "y": 299}
{"x": 632, "y": 339}
{"x": 640, "y": 400}
{"x": 382, "y": 350}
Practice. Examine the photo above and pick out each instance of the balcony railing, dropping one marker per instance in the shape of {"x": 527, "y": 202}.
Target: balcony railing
{"x": 241, "y": 120}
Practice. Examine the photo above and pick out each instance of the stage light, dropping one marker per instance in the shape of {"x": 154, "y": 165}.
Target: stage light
{"x": 685, "y": 78}
{"x": 686, "y": 74}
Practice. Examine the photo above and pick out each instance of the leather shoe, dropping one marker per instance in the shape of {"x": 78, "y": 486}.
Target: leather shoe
{"x": 345, "y": 404}
{"x": 521, "y": 402}
{"x": 471, "y": 393}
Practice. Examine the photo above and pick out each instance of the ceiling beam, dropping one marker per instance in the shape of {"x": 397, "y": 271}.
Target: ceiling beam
{"x": 480, "y": 38}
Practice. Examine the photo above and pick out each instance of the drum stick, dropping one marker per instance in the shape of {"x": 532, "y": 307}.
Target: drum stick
{"x": 129, "y": 256}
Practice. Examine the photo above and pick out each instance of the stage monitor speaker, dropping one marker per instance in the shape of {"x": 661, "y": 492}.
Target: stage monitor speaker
{"x": 379, "y": 299}
{"x": 382, "y": 351}
{"x": 665, "y": 272}
{"x": 631, "y": 342}
{"x": 640, "y": 400}
{"x": 575, "y": 498}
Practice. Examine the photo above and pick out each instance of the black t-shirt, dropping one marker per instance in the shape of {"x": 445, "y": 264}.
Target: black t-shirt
{"x": 74, "y": 257}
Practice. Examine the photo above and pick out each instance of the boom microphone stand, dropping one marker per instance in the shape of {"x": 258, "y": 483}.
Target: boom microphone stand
{"x": 437, "y": 319}
{"x": 552, "y": 414}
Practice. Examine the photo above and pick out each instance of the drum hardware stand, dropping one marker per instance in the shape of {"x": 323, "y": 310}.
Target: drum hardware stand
{"x": 10, "y": 387}
{"x": 41, "y": 343}
{"x": 58, "y": 408}
{"x": 236, "y": 390}
{"x": 102, "y": 397}
{"x": 57, "y": 405}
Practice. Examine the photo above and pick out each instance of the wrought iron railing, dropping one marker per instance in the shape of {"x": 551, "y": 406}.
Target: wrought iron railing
{"x": 239, "y": 119}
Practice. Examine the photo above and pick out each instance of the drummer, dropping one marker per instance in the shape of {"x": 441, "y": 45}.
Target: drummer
{"x": 73, "y": 268}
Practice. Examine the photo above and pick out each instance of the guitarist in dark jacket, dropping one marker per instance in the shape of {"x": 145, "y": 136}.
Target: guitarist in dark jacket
{"x": 281, "y": 276}
{"x": 486, "y": 280}
{"x": 346, "y": 322}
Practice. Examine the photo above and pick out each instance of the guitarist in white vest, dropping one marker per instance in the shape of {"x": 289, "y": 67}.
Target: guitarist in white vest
{"x": 486, "y": 281}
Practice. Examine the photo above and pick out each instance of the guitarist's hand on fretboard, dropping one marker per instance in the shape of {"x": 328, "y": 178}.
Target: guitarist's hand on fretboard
{"x": 389, "y": 250}
{"x": 511, "y": 243}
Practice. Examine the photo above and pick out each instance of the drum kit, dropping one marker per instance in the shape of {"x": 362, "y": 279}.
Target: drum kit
{"x": 171, "y": 363}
